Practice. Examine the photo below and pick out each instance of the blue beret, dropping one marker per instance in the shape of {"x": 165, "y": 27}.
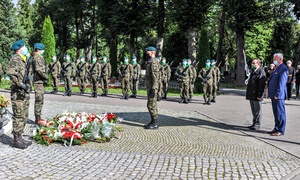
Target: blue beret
{"x": 213, "y": 60}
{"x": 39, "y": 46}
{"x": 150, "y": 48}
{"x": 17, "y": 45}
{"x": 207, "y": 61}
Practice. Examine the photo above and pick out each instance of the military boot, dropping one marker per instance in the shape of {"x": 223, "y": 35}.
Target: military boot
{"x": 208, "y": 101}
{"x": 81, "y": 91}
{"x": 152, "y": 125}
{"x": 52, "y": 92}
{"x": 95, "y": 95}
{"x": 69, "y": 93}
{"x": 65, "y": 94}
{"x": 105, "y": 94}
{"x": 158, "y": 98}
{"x": 127, "y": 96}
{"x": 123, "y": 96}
{"x": 213, "y": 100}
{"x": 185, "y": 101}
{"x": 182, "y": 100}
{"x": 55, "y": 91}
{"x": 205, "y": 101}
{"x": 18, "y": 143}
{"x": 37, "y": 118}
{"x": 28, "y": 143}
{"x": 165, "y": 96}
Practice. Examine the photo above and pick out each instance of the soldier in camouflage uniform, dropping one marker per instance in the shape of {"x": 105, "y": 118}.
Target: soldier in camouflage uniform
{"x": 40, "y": 76}
{"x": 216, "y": 78}
{"x": 54, "y": 70}
{"x": 192, "y": 80}
{"x": 81, "y": 74}
{"x": 151, "y": 78}
{"x": 136, "y": 71}
{"x": 105, "y": 75}
{"x": 68, "y": 71}
{"x": 125, "y": 72}
{"x": 183, "y": 74}
{"x": 205, "y": 74}
{"x": 94, "y": 73}
{"x": 166, "y": 76}
{"x": 16, "y": 70}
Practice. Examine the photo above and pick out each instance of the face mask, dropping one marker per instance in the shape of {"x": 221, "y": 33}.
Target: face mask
{"x": 94, "y": 61}
{"x": 104, "y": 61}
{"x": 82, "y": 60}
{"x": 28, "y": 55}
{"x": 184, "y": 63}
{"x": 275, "y": 62}
{"x": 42, "y": 52}
{"x": 164, "y": 63}
{"x": 125, "y": 61}
{"x": 253, "y": 67}
{"x": 54, "y": 59}
{"x": 24, "y": 51}
{"x": 207, "y": 64}
{"x": 213, "y": 64}
{"x": 149, "y": 57}
{"x": 134, "y": 62}
{"x": 68, "y": 58}
{"x": 189, "y": 63}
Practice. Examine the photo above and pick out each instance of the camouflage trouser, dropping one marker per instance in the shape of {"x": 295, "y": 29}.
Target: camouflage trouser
{"x": 134, "y": 86}
{"x": 207, "y": 90}
{"x": 214, "y": 89}
{"x": 68, "y": 84}
{"x": 191, "y": 90}
{"x": 81, "y": 83}
{"x": 54, "y": 81}
{"x": 125, "y": 85}
{"x": 160, "y": 88}
{"x": 184, "y": 89}
{"x": 20, "y": 106}
{"x": 39, "y": 90}
{"x": 165, "y": 86}
{"x": 94, "y": 84}
{"x": 104, "y": 83}
{"x": 152, "y": 104}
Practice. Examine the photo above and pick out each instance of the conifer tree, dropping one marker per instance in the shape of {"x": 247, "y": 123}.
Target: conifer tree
{"x": 48, "y": 39}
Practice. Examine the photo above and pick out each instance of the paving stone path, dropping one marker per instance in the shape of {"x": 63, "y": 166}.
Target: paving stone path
{"x": 187, "y": 145}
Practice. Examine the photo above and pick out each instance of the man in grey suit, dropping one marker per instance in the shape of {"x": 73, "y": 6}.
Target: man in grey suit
{"x": 255, "y": 91}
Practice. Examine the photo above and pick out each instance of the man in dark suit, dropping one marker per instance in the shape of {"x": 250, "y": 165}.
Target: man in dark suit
{"x": 278, "y": 94}
{"x": 255, "y": 92}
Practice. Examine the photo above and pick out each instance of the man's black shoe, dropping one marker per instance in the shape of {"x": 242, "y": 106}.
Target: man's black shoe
{"x": 182, "y": 100}
{"x": 273, "y": 131}
{"x": 213, "y": 100}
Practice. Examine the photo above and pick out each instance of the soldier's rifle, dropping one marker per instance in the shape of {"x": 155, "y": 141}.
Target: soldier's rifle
{"x": 123, "y": 72}
{"x": 182, "y": 74}
{"x": 103, "y": 70}
{"x": 206, "y": 76}
{"x": 64, "y": 69}
{"x": 52, "y": 67}
{"x": 90, "y": 71}
{"x": 26, "y": 78}
{"x": 79, "y": 70}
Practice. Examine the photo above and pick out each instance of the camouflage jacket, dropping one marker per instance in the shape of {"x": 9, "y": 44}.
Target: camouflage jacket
{"x": 152, "y": 74}
{"x": 68, "y": 69}
{"x": 39, "y": 69}
{"x": 105, "y": 70}
{"x": 125, "y": 71}
{"x": 54, "y": 68}
{"x": 136, "y": 71}
{"x": 94, "y": 70}
{"x": 81, "y": 69}
{"x": 206, "y": 75}
{"x": 216, "y": 74}
{"x": 183, "y": 74}
{"x": 16, "y": 69}
{"x": 166, "y": 73}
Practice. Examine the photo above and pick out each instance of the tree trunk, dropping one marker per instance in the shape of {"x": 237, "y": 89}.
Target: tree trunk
{"x": 132, "y": 44}
{"x": 240, "y": 61}
{"x": 221, "y": 37}
{"x": 159, "y": 46}
{"x": 160, "y": 27}
{"x": 192, "y": 48}
{"x": 297, "y": 52}
{"x": 113, "y": 54}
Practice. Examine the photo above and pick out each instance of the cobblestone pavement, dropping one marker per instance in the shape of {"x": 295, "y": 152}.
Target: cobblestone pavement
{"x": 187, "y": 145}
